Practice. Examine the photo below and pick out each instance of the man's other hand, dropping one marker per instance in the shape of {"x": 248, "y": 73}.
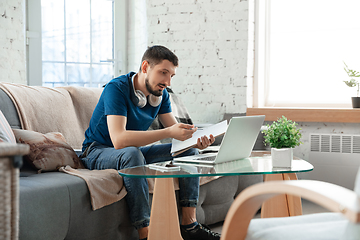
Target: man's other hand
{"x": 204, "y": 142}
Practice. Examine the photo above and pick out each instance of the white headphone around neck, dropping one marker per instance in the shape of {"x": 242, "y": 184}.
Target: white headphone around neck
{"x": 139, "y": 98}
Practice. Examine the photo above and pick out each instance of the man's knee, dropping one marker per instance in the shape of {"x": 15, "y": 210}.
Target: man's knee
{"x": 193, "y": 151}
{"x": 132, "y": 157}
{"x": 190, "y": 152}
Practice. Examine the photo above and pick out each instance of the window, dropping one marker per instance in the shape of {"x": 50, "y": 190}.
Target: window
{"x": 300, "y": 50}
{"x": 76, "y": 40}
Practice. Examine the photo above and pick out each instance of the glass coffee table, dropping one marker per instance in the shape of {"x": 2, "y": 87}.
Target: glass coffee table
{"x": 164, "y": 222}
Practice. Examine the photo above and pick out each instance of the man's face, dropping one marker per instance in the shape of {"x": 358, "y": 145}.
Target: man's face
{"x": 159, "y": 77}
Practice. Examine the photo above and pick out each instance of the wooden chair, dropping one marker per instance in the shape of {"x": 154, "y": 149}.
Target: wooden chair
{"x": 343, "y": 222}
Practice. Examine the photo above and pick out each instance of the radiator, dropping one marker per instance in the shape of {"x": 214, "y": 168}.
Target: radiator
{"x": 336, "y": 158}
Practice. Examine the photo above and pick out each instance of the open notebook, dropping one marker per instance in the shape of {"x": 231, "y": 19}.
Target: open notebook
{"x": 237, "y": 143}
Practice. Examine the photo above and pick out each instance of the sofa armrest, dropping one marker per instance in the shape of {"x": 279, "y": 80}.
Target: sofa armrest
{"x": 13, "y": 149}
{"x": 331, "y": 196}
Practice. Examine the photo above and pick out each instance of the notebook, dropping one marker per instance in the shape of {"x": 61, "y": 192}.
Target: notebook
{"x": 238, "y": 142}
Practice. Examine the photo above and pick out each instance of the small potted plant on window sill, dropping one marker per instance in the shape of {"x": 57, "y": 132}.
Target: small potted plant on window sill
{"x": 353, "y": 83}
{"x": 282, "y": 136}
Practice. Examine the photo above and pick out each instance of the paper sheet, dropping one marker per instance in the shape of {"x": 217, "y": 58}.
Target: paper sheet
{"x": 181, "y": 146}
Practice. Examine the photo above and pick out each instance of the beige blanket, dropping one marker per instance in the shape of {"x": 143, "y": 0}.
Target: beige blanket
{"x": 105, "y": 186}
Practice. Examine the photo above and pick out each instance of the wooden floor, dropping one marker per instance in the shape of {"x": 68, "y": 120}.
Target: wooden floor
{"x": 307, "y": 207}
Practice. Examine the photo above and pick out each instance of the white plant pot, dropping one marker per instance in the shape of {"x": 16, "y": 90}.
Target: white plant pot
{"x": 281, "y": 157}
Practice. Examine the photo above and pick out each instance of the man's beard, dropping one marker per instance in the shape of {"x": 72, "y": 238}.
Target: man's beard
{"x": 157, "y": 93}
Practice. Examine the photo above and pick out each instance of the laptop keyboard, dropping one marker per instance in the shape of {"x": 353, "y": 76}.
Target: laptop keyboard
{"x": 211, "y": 158}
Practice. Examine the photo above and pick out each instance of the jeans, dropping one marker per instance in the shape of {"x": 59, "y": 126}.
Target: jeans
{"x": 98, "y": 156}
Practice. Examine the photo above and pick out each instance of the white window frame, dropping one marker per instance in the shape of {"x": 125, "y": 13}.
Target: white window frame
{"x": 34, "y": 48}
{"x": 261, "y": 52}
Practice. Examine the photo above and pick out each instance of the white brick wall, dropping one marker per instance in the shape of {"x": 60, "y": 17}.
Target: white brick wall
{"x": 210, "y": 38}
{"x": 12, "y": 41}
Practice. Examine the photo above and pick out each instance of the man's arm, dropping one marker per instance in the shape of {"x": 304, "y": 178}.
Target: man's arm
{"x": 167, "y": 119}
{"x": 122, "y": 138}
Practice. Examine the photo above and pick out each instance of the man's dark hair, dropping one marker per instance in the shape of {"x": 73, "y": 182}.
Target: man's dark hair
{"x": 156, "y": 54}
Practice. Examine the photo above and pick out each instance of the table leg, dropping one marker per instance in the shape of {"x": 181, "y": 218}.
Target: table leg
{"x": 294, "y": 202}
{"x": 164, "y": 220}
{"x": 282, "y": 205}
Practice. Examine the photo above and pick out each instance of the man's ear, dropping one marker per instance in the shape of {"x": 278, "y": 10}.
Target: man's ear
{"x": 144, "y": 66}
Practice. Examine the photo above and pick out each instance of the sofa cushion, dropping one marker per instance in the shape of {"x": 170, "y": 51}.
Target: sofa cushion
{"x": 111, "y": 222}
{"x": 49, "y": 151}
{"x": 6, "y": 135}
{"x": 45, "y": 206}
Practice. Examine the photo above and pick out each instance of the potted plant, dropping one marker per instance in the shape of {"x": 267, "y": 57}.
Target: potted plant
{"x": 282, "y": 136}
{"x": 353, "y": 83}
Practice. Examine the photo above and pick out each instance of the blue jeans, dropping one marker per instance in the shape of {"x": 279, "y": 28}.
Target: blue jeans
{"x": 99, "y": 156}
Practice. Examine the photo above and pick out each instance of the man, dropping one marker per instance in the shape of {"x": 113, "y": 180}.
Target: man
{"x": 117, "y": 137}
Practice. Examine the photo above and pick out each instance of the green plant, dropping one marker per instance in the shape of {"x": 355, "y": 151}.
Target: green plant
{"x": 282, "y": 134}
{"x": 353, "y": 82}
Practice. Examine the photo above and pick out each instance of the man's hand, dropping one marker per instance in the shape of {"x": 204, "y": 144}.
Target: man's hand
{"x": 204, "y": 142}
{"x": 182, "y": 131}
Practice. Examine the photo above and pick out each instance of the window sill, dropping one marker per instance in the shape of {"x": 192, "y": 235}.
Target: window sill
{"x": 346, "y": 115}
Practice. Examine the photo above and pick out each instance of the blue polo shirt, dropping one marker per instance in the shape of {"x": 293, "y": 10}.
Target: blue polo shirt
{"x": 115, "y": 100}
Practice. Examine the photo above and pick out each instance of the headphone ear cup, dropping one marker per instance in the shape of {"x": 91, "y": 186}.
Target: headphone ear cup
{"x": 141, "y": 99}
{"x": 154, "y": 100}
{"x": 137, "y": 96}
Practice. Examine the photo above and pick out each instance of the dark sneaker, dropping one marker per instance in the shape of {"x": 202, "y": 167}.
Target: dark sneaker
{"x": 200, "y": 232}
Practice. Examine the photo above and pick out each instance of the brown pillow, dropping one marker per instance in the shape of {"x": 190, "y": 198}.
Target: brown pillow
{"x": 48, "y": 152}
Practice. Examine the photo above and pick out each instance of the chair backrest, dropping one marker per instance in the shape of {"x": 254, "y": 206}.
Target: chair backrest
{"x": 357, "y": 183}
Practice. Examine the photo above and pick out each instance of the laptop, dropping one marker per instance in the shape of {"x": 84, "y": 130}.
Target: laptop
{"x": 238, "y": 142}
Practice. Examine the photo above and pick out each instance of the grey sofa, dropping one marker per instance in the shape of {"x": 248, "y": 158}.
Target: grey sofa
{"x": 56, "y": 205}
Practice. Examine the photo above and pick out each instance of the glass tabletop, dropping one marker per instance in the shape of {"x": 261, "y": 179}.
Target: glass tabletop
{"x": 257, "y": 163}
